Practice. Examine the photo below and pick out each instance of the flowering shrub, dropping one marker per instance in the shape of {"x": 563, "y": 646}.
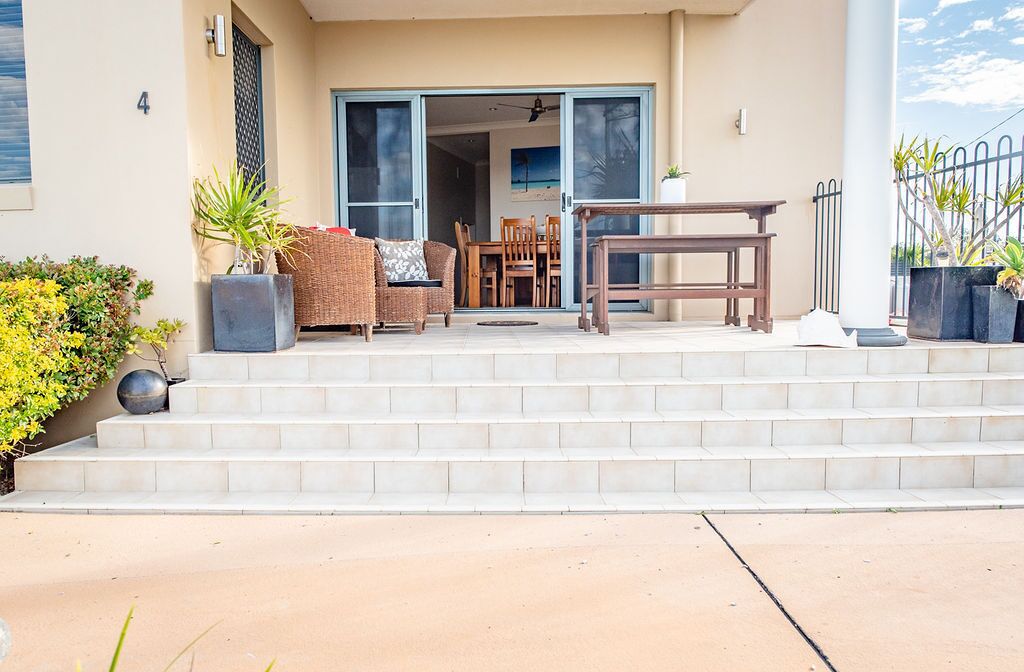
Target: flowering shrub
{"x": 101, "y": 300}
{"x": 37, "y": 355}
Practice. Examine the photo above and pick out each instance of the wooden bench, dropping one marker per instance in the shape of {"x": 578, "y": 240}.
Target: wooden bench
{"x": 601, "y": 292}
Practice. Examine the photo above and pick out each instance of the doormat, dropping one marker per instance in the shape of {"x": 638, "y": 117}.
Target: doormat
{"x": 507, "y": 323}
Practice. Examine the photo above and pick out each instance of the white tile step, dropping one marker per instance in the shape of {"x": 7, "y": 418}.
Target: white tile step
{"x": 777, "y": 427}
{"x": 555, "y": 358}
{"x": 80, "y": 466}
{"x": 609, "y": 395}
{"x": 809, "y": 501}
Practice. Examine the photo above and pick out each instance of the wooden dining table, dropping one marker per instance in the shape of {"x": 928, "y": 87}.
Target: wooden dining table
{"x": 476, "y": 251}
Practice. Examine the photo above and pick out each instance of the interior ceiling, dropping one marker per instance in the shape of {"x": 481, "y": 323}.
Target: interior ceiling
{"x": 472, "y": 147}
{"x": 384, "y": 10}
{"x": 462, "y": 110}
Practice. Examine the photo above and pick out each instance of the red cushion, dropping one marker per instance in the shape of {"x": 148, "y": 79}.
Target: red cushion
{"x": 340, "y": 229}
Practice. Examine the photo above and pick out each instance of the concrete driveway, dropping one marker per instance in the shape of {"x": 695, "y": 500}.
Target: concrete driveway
{"x": 922, "y": 591}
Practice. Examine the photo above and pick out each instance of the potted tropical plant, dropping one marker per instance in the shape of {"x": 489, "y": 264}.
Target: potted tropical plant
{"x": 954, "y": 227}
{"x": 253, "y": 307}
{"x": 673, "y": 185}
{"x": 999, "y": 308}
{"x": 145, "y": 391}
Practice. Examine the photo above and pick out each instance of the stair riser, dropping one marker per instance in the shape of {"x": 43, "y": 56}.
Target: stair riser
{"x": 566, "y": 366}
{"x": 636, "y": 476}
{"x": 553, "y": 435}
{"x": 445, "y": 398}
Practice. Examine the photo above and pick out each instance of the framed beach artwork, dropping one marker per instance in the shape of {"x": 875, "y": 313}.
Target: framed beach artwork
{"x": 536, "y": 174}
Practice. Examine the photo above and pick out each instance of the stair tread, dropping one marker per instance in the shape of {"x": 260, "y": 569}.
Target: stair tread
{"x": 682, "y": 502}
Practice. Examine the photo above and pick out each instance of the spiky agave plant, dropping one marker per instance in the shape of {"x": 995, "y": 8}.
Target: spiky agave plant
{"x": 959, "y": 226}
{"x": 1011, "y": 257}
{"x": 243, "y": 212}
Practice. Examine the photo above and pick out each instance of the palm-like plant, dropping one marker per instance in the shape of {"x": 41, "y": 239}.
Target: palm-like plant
{"x": 239, "y": 212}
{"x": 1011, "y": 257}
{"x": 950, "y": 202}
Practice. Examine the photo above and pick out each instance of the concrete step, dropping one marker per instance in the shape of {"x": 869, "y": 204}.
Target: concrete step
{"x": 648, "y": 394}
{"x": 325, "y": 362}
{"x": 799, "y": 501}
{"x": 571, "y": 430}
{"x": 82, "y": 466}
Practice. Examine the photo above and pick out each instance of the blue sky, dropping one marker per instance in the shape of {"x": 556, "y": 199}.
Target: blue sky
{"x": 961, "y": 68}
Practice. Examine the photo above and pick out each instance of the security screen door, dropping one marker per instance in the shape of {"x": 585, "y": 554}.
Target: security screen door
{"x": 379, "y": 155}
{"x": 608, "y": 163}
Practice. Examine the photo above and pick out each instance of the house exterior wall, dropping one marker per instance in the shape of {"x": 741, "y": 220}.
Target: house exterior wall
{"x": 110, "y": 181}
{"x": 781, "y": 59}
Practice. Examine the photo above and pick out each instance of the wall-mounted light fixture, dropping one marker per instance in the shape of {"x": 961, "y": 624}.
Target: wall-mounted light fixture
{"x": 216, "y": 36}
{"x": 741, "y": 121}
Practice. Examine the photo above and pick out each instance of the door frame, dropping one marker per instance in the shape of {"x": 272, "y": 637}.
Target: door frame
{"x": 418, "y": 97}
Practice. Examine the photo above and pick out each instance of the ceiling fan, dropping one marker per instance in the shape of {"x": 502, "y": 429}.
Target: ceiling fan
{"x": 538, "y": 109}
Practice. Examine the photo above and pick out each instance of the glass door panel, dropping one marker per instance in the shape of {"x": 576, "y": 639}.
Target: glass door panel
{"x": 607, "y": 137}
{"x": 379, "y": 184}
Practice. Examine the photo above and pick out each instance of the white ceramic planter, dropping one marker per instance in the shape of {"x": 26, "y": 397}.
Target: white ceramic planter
{"x": 673, "y": 190}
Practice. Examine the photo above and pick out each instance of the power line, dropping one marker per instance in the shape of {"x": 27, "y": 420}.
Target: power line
{"x": 994, "y": 127}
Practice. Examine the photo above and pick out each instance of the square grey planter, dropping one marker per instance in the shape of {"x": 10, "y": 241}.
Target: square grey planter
{"x": 253, "y": 313}
{"x": 940, "y": 300}
{"x": 995, "y": 315}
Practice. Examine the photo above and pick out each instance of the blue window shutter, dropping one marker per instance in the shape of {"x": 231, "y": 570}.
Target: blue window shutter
{"x": 14, "y": 149}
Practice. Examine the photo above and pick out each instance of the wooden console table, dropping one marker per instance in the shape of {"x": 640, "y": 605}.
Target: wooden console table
{"x": 601, "y": 292}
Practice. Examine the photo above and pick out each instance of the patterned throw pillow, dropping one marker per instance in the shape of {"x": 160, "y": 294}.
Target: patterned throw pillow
{"x": 403, "y": 259}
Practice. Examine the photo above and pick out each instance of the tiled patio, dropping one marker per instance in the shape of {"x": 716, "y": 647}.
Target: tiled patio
{"x": 655, "y": 417}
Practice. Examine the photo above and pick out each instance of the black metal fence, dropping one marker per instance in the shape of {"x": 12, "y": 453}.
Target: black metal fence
{"x": 828, "y": 221}
{"x": 986, "y": 167}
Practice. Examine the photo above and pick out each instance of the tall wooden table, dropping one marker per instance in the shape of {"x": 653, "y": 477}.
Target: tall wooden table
{"x": 730, "y": 244}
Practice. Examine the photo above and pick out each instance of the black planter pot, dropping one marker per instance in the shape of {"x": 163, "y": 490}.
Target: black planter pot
{"x": 142, "y": 391}
{"x": 253, "y": 313}
{"x": 995, "y": 315}
{"x": 940, "y": 300}
{"x": 1018, "y": 331}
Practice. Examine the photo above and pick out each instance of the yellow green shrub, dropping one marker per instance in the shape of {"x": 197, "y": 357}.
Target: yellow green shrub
{"x": 36, "y": 357}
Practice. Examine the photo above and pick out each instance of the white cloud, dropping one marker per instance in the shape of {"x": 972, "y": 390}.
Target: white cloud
{"x": 1018, "y": 41}
{"x": 978, "y": 26}
{"x": 1013, "y": 14}
{"x": 914, "y": 25}
{"x": 977, "y": 79}
{"x": 945, "y": 4}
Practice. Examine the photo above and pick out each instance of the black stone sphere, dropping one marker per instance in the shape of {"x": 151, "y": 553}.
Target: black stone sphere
{"x": 142, "y": 391}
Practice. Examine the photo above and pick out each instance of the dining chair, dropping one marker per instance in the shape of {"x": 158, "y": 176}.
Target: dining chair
{"x": 518, "y": 257}
{"x": 552, "y": 261}
{"x": 488, "y": 275}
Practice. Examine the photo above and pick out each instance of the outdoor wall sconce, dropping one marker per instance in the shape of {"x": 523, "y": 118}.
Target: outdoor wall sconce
{"x": 215, "y": 36}
{"x": 741, "y": 121}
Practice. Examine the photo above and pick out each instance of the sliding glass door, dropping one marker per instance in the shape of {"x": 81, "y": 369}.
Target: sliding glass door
{"x": 608, "y": 162}
{"x": 380, "y": 182}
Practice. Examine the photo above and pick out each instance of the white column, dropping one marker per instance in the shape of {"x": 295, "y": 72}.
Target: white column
{"x": 868, "y": 195}
{"x": 675, "y": 144}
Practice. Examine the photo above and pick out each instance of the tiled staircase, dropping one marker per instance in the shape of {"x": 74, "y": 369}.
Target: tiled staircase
{"x": 788, "y": 429}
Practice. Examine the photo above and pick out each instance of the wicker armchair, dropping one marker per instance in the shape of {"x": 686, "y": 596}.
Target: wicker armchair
{"x": 440, "y": 266}
{"x": 333, "y": 279}
{"x": 399, "y": 304}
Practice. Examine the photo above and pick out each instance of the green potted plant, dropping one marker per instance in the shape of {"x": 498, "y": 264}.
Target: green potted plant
{"x": 145, "y": 391}
{"x": 998, "y": 317}
{"x": 673, "y": 185}
{"x": 956, "y": 231}
{"x": 253, "y": 307}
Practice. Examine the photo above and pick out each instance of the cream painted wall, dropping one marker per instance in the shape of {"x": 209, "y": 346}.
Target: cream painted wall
{"x": 783, "y": 61}
{"x": 108, "y": 180}
{"x": 503, "y": 141}
{"x": 531, "y": 52}
{"x": 111, "y": 181}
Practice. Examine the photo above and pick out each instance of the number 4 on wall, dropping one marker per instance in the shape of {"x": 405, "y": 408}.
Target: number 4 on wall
{"x": 143, "y": 103}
